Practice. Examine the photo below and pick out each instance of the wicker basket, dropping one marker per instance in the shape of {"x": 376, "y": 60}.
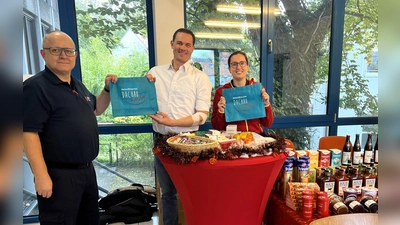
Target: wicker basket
{"x": 193, "y": 147}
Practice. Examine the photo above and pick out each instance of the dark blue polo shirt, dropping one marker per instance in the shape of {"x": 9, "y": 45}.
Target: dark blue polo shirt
{"x": 63, "y": 115}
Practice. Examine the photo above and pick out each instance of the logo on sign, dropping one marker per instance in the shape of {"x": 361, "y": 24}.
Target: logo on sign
{"x": 132, "y": 96}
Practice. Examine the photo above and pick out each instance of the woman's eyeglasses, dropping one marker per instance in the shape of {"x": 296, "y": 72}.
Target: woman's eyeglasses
{"x": 242, "y": 63}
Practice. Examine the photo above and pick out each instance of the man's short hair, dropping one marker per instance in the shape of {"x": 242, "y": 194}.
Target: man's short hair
{"x": 184, "y": 30}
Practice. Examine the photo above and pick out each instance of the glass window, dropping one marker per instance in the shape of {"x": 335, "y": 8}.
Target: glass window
{"x": 124, "y": 159}
{"x": 206, "y": 60}
{"x": 359, "y": 77}
{"x": 112, "y": 39}
{"x": 372, "y": 63}
{"x": 301, "y": 56}
{"x": 31, "y": 50}
{"x": 362, "y": 130}
{"x": 303, "y": 138}
{"x": 226, "y": 28}
{"x": 45, "y": 29}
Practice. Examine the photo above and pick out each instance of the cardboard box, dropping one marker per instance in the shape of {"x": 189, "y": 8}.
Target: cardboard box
{"x": 292, "y": 153}
{"x": 314, "y": 156}
{"x": 300, "y": 153}
{"x": 336, "y": 157}
{"x": 312, "y": 175}
{"x": 324, "y": 158}
{"x": 294, "y": 194}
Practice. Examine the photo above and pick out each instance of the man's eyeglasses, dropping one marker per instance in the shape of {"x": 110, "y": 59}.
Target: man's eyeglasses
{"x": 242, "y": 63}
{"x": 57, "y": 51}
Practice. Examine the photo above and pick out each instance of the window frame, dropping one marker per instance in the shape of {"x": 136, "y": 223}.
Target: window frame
{"x": 331, "y": 120}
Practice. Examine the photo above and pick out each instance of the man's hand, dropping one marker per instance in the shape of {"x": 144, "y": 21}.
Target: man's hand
{"x": 44, "y": 185}
{"x": 163, "y": 118}
{"x": 150, "y": 78}
{"x": 110, "y": 77}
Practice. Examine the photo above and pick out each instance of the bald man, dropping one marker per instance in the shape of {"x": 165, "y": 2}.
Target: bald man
{"x": 60, "y": 135}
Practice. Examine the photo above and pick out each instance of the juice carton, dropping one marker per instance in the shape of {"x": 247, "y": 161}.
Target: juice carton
{"x": 324, "y": 158}
{"x": 300, "y": 153}
{"x": 312, "y": 175}
{"x": 336, "y": 156}
{"x": 314, "y": 156}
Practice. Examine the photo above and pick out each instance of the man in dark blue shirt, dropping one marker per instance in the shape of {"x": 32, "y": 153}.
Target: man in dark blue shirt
{"x": 61, "y": 135}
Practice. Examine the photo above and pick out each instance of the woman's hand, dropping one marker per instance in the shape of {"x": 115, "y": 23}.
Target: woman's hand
{"x": 265, "y": 97}
{"x": 221, "y": 105}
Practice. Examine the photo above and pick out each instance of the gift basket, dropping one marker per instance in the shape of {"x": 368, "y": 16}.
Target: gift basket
{"x": 191, "y": 144}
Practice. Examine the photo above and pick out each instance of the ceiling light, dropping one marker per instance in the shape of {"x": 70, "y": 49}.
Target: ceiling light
{"x": 231, "y": 24}
{"x": 239, "y": 9}
{"x": 244, "y": 10}
{"x": 219, "y": 36}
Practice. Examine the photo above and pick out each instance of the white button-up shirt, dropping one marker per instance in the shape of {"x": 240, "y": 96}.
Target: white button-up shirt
{"x": 180, "y": 94}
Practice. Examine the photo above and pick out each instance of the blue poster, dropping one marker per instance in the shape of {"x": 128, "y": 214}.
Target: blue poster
{"x": 243, "y": 103}
{"x": 133, "y": 96}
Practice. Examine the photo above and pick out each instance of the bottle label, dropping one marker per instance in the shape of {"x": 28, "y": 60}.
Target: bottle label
{"x": 369, "y": 202}
{"x": 357, "y": 158}
{"x": 329, "y": 187}
{"x": 345, "y": 157}
{"x": 341, "y": 185}
{"x": 338, "y": 205}
{"x": 357, "y": 185}
{"x": 376, "y": 156}
{"x": 368, "y": 156}
{"x": 353, "y": 204}
{"x": 370, "y": 182}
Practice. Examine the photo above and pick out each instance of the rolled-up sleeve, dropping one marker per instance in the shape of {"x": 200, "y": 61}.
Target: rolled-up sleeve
{"x": 203, "y": 98}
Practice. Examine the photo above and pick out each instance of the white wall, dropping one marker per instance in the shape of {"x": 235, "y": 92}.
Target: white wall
{"x": 168, "y": 17}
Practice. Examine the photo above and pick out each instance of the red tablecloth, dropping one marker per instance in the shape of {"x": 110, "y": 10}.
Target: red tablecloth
{"x": 233, "y": 192}
{"x": 277, "y": 213}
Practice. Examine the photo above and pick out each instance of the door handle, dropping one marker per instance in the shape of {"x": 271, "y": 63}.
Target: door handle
{"x": 270, "y": 45}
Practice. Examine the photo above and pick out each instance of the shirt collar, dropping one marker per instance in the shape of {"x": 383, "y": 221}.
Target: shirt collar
{"x": 185, "y": 66}
{"x": 55, "y": 80}
{"x": 52, "y": 77}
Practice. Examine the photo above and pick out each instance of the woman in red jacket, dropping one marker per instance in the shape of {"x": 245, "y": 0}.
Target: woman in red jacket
{"x": 238, "y": 67}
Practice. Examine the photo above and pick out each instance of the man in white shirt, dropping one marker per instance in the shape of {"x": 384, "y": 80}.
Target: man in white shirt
{"x": 184, "y": 100}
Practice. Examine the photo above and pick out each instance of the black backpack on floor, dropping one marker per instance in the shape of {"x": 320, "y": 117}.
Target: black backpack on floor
{"x": 132, "y": 204}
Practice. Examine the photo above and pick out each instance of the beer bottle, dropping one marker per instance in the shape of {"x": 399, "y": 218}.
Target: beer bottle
{"x": 353, "y": 205}
{"x": 346, "y": 152}
{"x": 368, "y": 154}
{"x": 369, "y": 204}
{"x": 357, "y": 151}
{"x": 376, "y": 151}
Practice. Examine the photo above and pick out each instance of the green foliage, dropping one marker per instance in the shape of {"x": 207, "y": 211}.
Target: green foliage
{"x": 103, "y": 21}
{"x": 360, "y": 37}
{"x": 299, "y": 136}
{"x": 100, "y": 30}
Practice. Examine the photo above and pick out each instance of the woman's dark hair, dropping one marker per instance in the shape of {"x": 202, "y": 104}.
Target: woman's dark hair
{"x": 236, "y": 53}
{"x": 184, "y": 30}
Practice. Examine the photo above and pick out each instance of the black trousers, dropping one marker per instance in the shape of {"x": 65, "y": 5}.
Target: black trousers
{"x": 74, "y": 200}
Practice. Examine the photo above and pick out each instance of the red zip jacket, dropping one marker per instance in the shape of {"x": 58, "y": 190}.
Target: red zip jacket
{"x": 254, "y": 125}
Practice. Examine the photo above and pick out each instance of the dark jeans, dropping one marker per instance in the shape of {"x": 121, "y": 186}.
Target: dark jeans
{"x": 74, "y": 200}
{"x": 168, "y": 192}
